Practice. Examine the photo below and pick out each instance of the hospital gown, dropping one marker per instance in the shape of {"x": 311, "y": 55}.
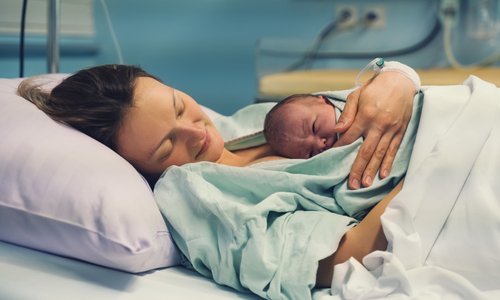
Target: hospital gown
{"x": 264, "y": 227}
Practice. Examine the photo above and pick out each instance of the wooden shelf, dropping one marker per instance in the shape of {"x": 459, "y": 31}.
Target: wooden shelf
{"x": 276, "y": 86}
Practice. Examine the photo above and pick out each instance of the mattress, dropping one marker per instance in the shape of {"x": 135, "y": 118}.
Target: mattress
{"x": 31, "y": 274}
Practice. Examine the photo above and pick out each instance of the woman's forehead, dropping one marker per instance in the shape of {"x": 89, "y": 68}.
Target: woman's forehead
{"x": 147, "y": 121}
{"x": 147, "y": 88}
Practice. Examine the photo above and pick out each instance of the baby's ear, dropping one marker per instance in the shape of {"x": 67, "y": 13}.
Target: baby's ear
{"x": 323, "y": 98}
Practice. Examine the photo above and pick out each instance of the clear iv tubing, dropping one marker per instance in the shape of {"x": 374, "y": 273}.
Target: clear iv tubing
{"x": 112, "y": 32}
{"x": 376, "y": 64}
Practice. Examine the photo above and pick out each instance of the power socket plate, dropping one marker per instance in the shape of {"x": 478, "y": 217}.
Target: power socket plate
{"x": 353, "y": 10}
{"x": 379, "y": 11}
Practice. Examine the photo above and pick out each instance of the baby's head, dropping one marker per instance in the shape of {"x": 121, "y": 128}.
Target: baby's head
{"x": 301, "y": 126}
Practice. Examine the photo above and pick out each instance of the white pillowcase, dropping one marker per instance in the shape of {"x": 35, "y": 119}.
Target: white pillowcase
{"x": 65, "y": 193}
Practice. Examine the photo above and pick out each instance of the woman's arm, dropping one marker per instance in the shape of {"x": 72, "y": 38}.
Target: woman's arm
{"x": 380, "y": 112}
{"x": 359, "y": 241}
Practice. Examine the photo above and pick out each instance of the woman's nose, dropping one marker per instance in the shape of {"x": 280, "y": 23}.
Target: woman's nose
{"x": 190, "y": 131}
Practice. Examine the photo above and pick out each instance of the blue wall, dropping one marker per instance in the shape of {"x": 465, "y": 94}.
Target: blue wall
{"x": 207, "y": 48}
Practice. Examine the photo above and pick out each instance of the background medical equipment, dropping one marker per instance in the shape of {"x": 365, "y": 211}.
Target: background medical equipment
{"x": 468, "y": 32}
{"x": 215, "y": 50}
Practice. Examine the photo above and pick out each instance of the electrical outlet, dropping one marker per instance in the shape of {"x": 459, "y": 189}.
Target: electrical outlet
{"x": 374, "y": 16}
{"x": 347, "y": 15}
{"x": 449, "y": 11}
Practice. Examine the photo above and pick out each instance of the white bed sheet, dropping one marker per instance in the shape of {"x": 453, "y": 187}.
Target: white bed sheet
{"x": 443, "y": 227}
{"x": 30, "y": 274}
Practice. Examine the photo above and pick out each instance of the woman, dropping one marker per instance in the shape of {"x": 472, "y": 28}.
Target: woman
{"x": 155, "y": 126}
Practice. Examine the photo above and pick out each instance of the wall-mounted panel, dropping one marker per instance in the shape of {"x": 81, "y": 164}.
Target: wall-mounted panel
{"x": 77, "y": 18}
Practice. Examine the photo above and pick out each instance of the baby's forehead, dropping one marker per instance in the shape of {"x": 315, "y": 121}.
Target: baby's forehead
{"x": 293, "y": 117}
{"x": 293, "y": 110}
{"x": 301, "y": 104}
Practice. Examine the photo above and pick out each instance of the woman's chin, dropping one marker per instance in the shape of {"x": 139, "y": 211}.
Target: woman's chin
{"x": 214, "y": 152}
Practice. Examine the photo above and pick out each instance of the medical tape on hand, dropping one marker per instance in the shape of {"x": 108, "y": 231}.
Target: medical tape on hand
{"x": 394, "y": 66}
{"x": 379, "y": 66}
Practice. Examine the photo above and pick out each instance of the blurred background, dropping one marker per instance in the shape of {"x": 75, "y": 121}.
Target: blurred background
{"x": 221, "y": 52}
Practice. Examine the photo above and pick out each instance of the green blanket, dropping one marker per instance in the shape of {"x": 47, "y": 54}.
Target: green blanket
{"x": 264, "y": 228}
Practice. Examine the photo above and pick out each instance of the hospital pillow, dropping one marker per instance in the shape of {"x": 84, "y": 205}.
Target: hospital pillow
{"x": 65, "y": 193}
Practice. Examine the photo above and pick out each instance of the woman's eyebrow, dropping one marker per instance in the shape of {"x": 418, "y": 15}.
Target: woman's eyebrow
{"x": 174, "y": 102}
{"x": 167, "y": 136}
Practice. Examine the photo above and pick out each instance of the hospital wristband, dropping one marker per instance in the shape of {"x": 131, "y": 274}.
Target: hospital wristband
{"x": 394, "y": 66}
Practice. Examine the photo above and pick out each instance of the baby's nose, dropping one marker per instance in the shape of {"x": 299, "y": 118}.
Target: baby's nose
{"x": 322, "y": 144}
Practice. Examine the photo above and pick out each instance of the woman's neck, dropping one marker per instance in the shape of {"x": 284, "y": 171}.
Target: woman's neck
{"x": 244, "y": 157}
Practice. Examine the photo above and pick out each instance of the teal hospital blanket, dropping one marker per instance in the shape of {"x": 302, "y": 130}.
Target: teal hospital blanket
{"x": 263, "y": 228}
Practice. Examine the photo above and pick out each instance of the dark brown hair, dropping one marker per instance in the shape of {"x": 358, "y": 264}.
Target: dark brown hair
{"x": 272, "y": 123}
{"x": 93, "y": 100}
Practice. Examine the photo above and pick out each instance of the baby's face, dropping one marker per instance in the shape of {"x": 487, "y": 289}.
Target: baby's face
{"x": 309, "y": 124}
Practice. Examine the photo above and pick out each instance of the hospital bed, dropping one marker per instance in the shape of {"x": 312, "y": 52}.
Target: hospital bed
{"x": 77, "y": 221}
{"x": 32, "y": 274}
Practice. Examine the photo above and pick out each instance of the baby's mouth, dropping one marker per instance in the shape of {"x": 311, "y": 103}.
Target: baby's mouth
{"x": 330, "y": 142}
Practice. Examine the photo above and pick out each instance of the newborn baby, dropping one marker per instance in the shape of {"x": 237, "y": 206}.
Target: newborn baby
{"x": 301, "y": 125}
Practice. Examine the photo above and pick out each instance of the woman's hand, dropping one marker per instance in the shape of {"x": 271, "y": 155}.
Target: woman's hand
{"x": 379, "y": 111}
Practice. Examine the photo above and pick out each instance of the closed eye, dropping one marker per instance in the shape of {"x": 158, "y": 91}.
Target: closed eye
{"x": 181, "y": 110}
{"x": 166, "y": 148}
{"x": 165, "y": 156}
{"x": 179, "y": 105}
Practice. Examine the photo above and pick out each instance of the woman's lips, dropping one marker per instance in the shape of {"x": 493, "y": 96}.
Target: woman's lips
{"x": 206, "y": 143}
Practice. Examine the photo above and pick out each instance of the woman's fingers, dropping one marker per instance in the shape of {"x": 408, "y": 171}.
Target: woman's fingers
{"x": 389, "y": 157}
{"x": 376, "y": 153}
{"x": 354, "y": 132}
{"x": 376, "y": 160}
{"x": 363, "y": 158}
{"x": 347, "y": 117}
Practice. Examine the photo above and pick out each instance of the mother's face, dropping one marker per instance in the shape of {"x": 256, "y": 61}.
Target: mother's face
{"x": 166, "y": 127}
